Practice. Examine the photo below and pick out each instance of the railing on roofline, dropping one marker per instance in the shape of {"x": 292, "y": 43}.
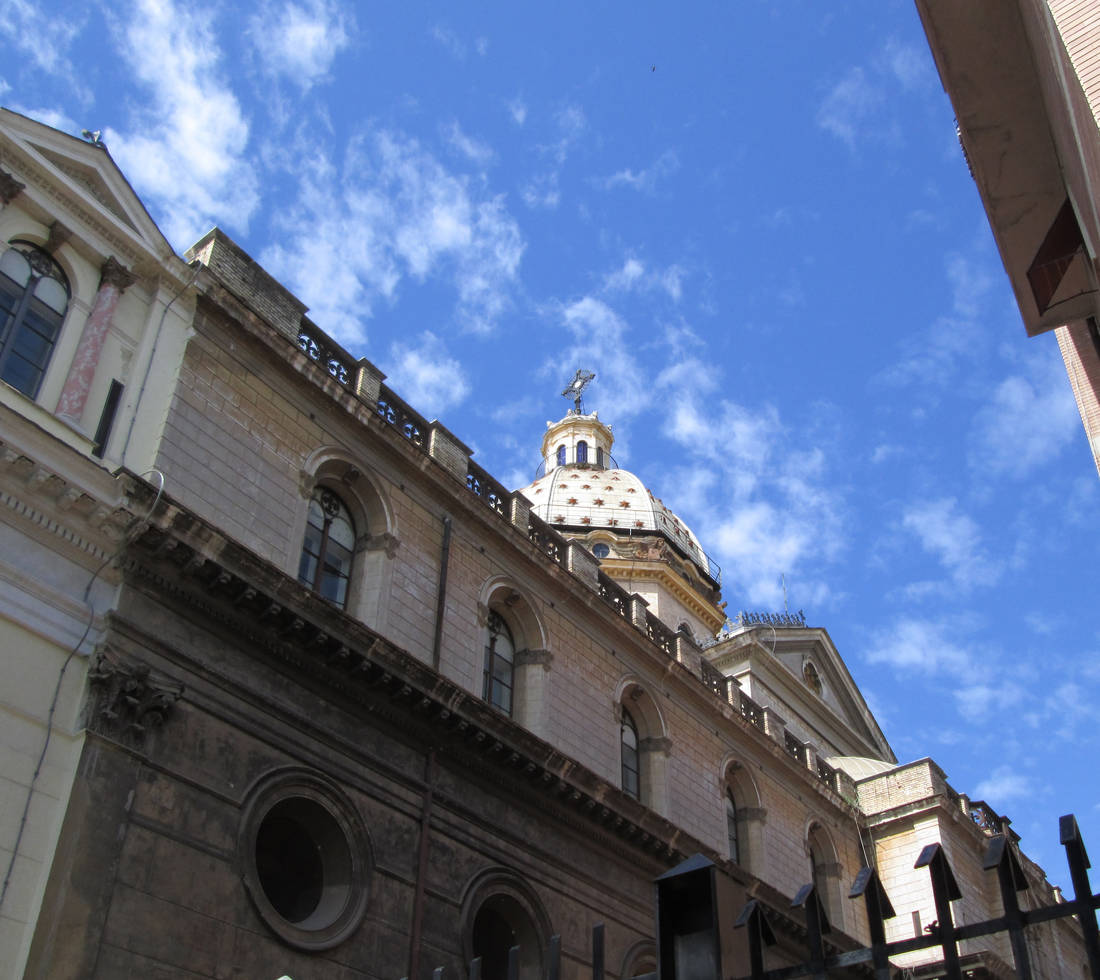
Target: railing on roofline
{"x": 660, "y": 634}
{"x": 411, "y": 424}
{"x": 752, "y": 712}
{"x": 613, "y": 594}
{"x": 546, "y": 539}
{"x": 482, "y": 485}
{"x": 324, "y": 351}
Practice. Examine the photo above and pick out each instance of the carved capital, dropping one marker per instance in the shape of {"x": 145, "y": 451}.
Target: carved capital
{"x": 524, "y": 657}
{"x": 306, "y": 482}
{"x": 656, "y": 744}
{"x": 380, "y": 542}
{"x": 10, "y": 188}
{"x": 114, "y": 273}
{"x": 482, "y": 615}
{"x": 752, "y": 814}
{"x": 129, "y": 700}
{"x": 58, "y": 236}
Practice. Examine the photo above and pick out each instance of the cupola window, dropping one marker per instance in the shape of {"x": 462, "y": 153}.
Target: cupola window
{"x": 582, "y": 452}
{"x": 561, "y": 455}
{"x": 34, "y": 295}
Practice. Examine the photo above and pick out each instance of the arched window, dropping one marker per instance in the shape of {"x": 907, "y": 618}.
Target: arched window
{"x": 561, "y": 455}
{"x": 34, "y": 295}
{"x": 632, "y": 783}
{"x": 731, "y": 827}
{"x": 824, "y": 870}
{"x": 500, "y": 664}
{"x": 582, "y": 452}
{"x": 325, "y": 565}
{"x": 599, "y": 456}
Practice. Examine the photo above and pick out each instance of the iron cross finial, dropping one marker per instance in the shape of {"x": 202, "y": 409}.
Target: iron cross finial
{"x": 576, "y": 388}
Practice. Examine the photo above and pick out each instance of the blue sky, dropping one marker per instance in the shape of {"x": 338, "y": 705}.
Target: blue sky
{"x": 752, "y": 220}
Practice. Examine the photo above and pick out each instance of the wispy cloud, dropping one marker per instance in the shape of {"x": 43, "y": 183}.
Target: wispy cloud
{"x": 926, "y": 646}
{"x": 642, "y": 180}
{"x": 185, "y": 149}
{"x": 542, "y": 190}
{"x": 954, "y": 539}
{"x": 849, "y": 105}
{"x": 517, "y": 108}
{"x": 299, "y": 41}
{"x": 634, "y": 276}
{"x": 451, "y": 42}
{"x": 45, "y": 36}
{"x": 395, "y": 212}
{"x": 472, "y": 149}
{"x": 1028, "y": 422}
{"x": 1004, "y": 784}
{"x": 426, "y": 375}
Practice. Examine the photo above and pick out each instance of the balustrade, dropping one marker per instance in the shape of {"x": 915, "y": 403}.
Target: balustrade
{"x": 322, "y": 351}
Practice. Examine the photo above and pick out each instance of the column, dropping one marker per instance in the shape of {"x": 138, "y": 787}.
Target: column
{"x": 115, "y": 279}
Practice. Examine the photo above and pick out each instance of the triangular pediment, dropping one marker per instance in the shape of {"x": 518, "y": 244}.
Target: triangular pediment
{"x": 84, "y": 176}
{"x": 824, "y": 705}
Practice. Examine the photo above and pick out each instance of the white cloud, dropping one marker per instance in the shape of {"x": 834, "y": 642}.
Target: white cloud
{"x": 50, "y": 117}
{"x": 300, "y": 40}
{"x": 426, "y": 376}
{"x": 910, "y": 64}
{"x": 1004, "y": 783}
{"x": 954, "y": 538}
{"x": 927, "y": 646}
{"x": 186, "y": 148}
{"x": 1027, "y": 423}
{"x": 474, "y": 150}
{"x": 644, "y": 179}
{"x": 848, "y": 106}
{"x": 396, "y": 213}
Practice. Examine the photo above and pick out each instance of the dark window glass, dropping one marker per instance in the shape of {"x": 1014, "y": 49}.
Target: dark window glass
{"x": 731, "y": 827}
{"x": 500, "y": 655}
{"x": 632, "y": 783}
{"x": 601, "y": 550}
{"x": 599, "y": 456}
{"x": 582, "y": 452}
{"x": 34, "y": 295}
{"x": 325, "y": 565}
{"x": 561, "y": 455}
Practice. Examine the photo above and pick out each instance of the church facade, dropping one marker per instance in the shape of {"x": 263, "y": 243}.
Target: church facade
{"x": 293, "y": 687}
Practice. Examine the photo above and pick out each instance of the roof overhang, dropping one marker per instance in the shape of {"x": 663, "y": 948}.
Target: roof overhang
{"x": 1031, "y": 142}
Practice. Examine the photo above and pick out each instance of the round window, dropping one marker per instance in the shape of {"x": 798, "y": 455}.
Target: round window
{"x": 601, "y": 550}
{"x": 305, "y": 857}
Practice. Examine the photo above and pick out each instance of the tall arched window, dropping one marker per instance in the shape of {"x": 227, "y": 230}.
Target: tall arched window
{"x": 599, "y": 456}
{"x": 500, "y": 664}
{"x": 582, "y": 452}
{"x": 34, "y": 295}
{"x": 731, "y": 827}
{"x": 325, "y": 565}
{"x": 632, "y": 783}
{"x": 561, "y": 455}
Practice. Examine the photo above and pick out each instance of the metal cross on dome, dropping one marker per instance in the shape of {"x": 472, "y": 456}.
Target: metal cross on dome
{"x": 576, "y": 388}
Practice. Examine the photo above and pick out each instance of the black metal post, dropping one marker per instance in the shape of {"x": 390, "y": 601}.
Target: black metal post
{"x": 1011, "y": 880}
{"x": 945, "y": 890}
{"x": 554, "y": 968}
{"x": 597, "y": 951}
{"x": 475, "y": 968}
{"x": 817, "y": 924}
{"x": 879, "y": 909}
{"x": 513, "y": 963}
{"x": 1078, "y": 859}
{"x": 760, "y": 935}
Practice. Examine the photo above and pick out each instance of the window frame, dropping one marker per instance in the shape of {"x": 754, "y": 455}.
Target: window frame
{"x": 319, "y": 578}
{"x": 13, "y": 321}
{"x": 497, "y": 627}
{"x": 628, "y": 727}
{"x": 733, "y": 837}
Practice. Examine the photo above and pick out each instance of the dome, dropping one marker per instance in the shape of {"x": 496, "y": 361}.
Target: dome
{"x": 582, "y": 493}
{"x": 587, "y": 499}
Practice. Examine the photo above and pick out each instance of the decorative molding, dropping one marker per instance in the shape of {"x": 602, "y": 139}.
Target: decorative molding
{"x": 656, "y": 743}
{"x": 306, "y": 483}
{"x": 524, "y": 658}
{"x": 380, "y": 542}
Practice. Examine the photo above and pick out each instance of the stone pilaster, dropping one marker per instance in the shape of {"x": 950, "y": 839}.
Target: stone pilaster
{"x": 115, "y": 279}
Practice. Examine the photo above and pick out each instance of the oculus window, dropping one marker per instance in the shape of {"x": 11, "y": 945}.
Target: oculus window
{"x": 34, "y": 295}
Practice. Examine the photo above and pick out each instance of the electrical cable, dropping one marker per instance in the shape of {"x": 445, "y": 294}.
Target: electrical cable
{"x": 138, "y": 528}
